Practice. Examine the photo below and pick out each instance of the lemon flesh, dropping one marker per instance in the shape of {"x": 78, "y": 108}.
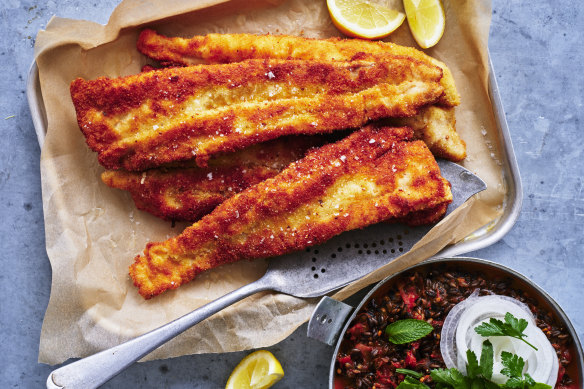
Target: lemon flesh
{"x": 426, "y": 19}
{"x": 363, "y": 19}
{"x": 259, "y": 370}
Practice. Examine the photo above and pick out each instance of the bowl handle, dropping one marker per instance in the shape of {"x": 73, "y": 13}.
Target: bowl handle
{"x": 327, "y": 320}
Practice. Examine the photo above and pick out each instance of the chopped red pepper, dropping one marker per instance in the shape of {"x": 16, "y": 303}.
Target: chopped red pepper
{"x": 345, "y": 359}
{"x": 385, "y": 376}
{"x": 365, "y": 350}
{"x": 409, "y": 296}
{"x": 356, "y": 330}
{"x": 410, "y": 359}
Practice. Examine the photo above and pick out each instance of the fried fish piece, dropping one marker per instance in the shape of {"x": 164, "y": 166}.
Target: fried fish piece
{"x": 186, "y": 193}
{"x": 374, "y": 174}
{"x": 153, "y": 118}
{"x": 436, "y": 126}
{"x": 420, "y": 218}
{"x": 225, "y": 48}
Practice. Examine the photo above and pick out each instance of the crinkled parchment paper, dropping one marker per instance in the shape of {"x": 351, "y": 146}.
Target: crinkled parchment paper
{"x": 93, "y": 232}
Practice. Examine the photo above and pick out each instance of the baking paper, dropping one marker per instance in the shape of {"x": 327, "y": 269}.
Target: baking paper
{"x": 93, "y": 232}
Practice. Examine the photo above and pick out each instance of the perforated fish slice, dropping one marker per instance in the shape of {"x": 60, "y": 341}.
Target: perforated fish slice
{"x": 310, "y": 273}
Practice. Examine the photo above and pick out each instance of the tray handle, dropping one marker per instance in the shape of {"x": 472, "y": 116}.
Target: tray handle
{"x": 327, "y": 320}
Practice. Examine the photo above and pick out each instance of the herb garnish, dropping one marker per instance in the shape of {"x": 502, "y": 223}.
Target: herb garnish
{"x": 407, "y": 331}
{"x": 409, "y": 372}
{"x": 512, "y": 327}
{"x": 479, "y": 375}
{"x": 412, "y": 383}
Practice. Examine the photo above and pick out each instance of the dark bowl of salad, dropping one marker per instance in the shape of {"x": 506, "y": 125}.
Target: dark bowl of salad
{"x": 457, "y": 323}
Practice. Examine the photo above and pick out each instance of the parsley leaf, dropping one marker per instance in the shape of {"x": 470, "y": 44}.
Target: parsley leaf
{"x": 451, "y": 377}
{"x": 472, "y": 369}
{"x": 412, "y": 383}
{"x": 530, "y": 381}
{"x": 487, "y": 359}
{"x": 512, "y": 327}
{"x": 513, "y": 364}
{"x": 407, "y": 331}
{"x": 409, "y": 372}
{"x": 514, "y": 382}
{"x": 479, "y": 374}
{"x": 492, "y": 328}
{"x": 517, "y": 325}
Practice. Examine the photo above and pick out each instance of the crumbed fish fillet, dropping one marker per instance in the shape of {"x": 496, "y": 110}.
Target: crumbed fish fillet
{"x": 436, "y": 126}
{"x": 158, "y": 117}
{"x": 374, "y": 174}
{"x": 224, "y": 48}
{"x": 189, "y": 192}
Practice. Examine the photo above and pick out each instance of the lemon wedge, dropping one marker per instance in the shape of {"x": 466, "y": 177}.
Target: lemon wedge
{"x": 426, "y": 19}
{"x": 259, "y": 370}
{"x": 363, "y": 19}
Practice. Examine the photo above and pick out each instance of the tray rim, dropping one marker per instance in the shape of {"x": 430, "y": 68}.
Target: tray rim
{"x": 479, "y": 239}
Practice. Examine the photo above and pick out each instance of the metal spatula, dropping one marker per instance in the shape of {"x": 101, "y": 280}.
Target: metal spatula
{"x": 310, "y": 273}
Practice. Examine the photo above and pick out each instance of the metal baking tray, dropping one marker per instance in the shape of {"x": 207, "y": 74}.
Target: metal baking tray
{"x": 483, "y": 237}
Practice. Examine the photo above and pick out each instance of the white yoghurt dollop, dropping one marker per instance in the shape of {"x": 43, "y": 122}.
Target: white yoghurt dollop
{"x": 459, "y": 335}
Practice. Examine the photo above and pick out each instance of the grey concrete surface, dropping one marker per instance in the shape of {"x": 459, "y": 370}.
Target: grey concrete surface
{"x": 537, "y": 53}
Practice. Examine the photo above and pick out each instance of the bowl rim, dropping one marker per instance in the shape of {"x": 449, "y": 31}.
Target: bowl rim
{"x": 561, "y": 315}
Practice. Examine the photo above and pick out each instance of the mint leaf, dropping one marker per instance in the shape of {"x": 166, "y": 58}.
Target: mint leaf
{"x": 513, "y": 365}
{"x": 412, "y": 383}
{"x": 409, "y": 372}
{"x": 472, "y": 368}
{"x": 407, "y": 331}
{"x": 487, "y": 359}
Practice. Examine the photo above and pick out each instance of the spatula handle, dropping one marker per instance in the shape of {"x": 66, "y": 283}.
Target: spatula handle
{"x": 99, "y": 368}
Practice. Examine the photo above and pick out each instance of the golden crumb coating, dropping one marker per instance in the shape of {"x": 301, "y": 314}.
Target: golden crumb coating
{"x": 158, "y": 117}
{"x": 374, "y": 174}
{"x": 224, "y": 48}
{"x": 436, "y": 126}
{"x": 186, "y": 193}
